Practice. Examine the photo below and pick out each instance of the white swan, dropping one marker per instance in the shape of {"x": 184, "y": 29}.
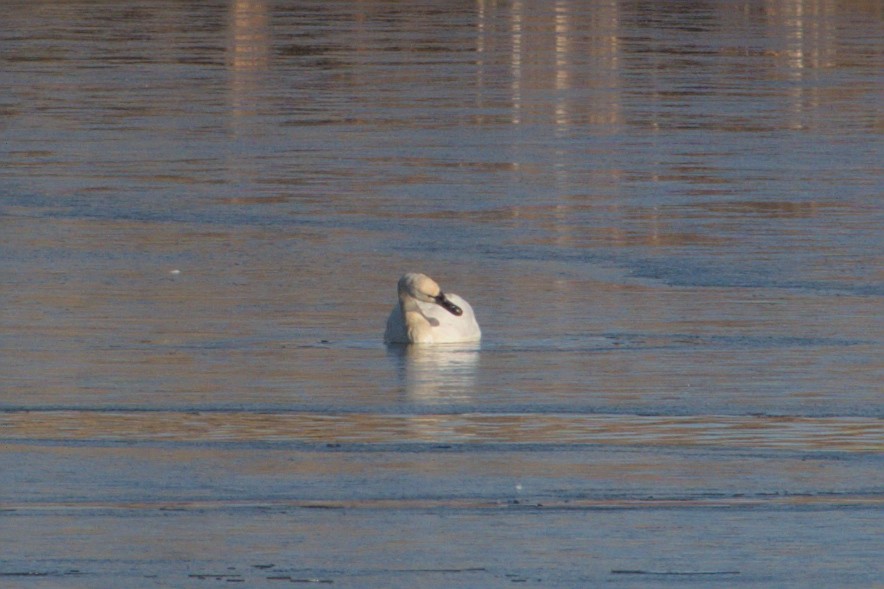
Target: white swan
{"x": 426, "y": 315}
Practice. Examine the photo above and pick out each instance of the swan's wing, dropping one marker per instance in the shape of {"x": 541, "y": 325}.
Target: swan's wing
{"x": 451, "y": 328}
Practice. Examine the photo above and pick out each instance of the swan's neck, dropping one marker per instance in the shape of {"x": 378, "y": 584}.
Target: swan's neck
{"x": 417, "y": 325}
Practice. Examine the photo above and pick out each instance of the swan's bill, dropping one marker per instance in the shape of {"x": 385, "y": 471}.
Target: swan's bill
{"x": 448, "y": 305}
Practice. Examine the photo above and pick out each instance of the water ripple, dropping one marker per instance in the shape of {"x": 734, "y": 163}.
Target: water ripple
{"x": 807, "y": 434}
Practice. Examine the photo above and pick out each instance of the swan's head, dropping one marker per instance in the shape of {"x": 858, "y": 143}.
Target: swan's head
{"x": 423, "y": 288}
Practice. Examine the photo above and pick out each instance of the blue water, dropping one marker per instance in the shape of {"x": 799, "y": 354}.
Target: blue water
{"x": 666, "y": 216}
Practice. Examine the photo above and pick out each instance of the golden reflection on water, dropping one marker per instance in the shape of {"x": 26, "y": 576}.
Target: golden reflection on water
{"x": 842, "y": 434}
{"x": 250, "y": 46}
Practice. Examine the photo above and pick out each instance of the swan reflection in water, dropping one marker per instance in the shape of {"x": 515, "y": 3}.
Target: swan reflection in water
{"x": 443, "y": 379}
{"x": 439, "y": 374}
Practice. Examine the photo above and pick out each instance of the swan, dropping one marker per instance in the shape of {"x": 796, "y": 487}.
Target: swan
{"x": 426, "y": 315}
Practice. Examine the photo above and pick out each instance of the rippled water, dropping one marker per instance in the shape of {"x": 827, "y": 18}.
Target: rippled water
{"x": 667, "y": 217}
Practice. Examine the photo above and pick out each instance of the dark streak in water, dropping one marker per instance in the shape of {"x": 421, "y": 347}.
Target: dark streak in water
{"x": 673, "y": 573}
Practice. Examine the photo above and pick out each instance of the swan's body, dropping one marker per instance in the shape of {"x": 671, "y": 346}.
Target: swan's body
{"x": 426, "y": 315}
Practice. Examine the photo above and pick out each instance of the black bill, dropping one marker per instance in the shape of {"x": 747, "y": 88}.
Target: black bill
{"x": 448, "y": 305}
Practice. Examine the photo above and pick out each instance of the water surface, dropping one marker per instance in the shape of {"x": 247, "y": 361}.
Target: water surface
{"x": 667, "y": 218}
